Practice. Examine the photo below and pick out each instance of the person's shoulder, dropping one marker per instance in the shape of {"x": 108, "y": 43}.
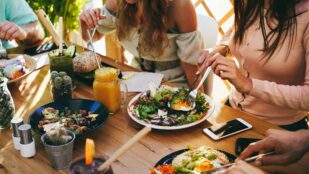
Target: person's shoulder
{"x": 185, "y": 15}
{"x": 303, "y": 6}
{"x": 181, "y": 5}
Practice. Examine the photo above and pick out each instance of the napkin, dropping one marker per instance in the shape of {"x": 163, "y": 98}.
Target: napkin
{"x": 138, "y": 81}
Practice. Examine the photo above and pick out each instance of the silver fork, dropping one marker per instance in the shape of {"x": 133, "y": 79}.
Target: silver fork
{"x": 193, "y": 93}
{"x": 90, "y": 44}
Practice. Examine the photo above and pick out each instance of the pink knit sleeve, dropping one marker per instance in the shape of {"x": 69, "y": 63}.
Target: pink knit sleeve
{"x": 295, "y": 97}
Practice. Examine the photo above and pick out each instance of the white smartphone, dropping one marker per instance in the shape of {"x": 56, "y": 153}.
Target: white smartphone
{"x": 222, "y": 130}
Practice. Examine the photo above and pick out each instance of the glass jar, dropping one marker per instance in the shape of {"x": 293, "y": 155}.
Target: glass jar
{"x": 62, "y": 63}
{"x": 106, "y": 88}
{"x": 7, "y": 108}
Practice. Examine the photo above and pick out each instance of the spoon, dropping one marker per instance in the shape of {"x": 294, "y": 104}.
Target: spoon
{"x": 192, "y": 94}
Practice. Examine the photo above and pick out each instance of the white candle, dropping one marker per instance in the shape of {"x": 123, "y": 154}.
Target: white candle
{"x": 60, "y": 35}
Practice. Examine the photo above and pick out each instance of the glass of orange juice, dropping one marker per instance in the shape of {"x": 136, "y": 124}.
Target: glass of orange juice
{"x": 106, "y": 88}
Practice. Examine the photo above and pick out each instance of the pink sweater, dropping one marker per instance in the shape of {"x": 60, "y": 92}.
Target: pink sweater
{"x": 280, "y": 92}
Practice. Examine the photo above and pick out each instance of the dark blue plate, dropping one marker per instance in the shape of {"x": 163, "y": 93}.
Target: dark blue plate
{"x": 74, "y": 105}
{"x": 169, "y": 158}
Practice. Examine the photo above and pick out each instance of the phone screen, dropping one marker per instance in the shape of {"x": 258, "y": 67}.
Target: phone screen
{"x": 224, "y": 129}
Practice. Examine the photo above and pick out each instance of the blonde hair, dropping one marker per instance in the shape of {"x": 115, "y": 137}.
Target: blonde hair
{"x": 152, "y": 15}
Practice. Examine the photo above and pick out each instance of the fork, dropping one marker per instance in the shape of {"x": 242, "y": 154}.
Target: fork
{"x": 193, "y": 93}
{"x": 90, "y": 44}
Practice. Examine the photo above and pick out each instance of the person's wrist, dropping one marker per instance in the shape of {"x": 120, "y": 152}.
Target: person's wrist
{"x": 247, "y": 86}
{"x": 304, "y": 139}
{"x": 23, "y": 34}
{"x": 222, "y": 49}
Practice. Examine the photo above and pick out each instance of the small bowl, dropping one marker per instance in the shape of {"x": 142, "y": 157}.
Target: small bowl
{"x": 78, "y": 166}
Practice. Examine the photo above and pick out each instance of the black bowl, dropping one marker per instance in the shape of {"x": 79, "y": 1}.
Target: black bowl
{"x": 74, "y": 105}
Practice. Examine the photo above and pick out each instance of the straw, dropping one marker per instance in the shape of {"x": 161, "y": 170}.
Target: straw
{"x": 91, "y": 43}
{"x": 60, "y": 35}
{"x": 124, "y": 148}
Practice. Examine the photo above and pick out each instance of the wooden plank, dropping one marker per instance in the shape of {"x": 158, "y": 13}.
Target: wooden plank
{"x": 226, "y": 17}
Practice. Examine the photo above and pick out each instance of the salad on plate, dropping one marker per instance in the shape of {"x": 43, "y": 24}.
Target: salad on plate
{"x": 165, "y": 107}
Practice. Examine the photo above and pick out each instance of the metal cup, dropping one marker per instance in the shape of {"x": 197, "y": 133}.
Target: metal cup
{"x": 59, "y": 156}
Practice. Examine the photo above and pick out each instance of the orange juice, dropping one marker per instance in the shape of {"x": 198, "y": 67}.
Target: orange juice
{"x": 106, "y": 88}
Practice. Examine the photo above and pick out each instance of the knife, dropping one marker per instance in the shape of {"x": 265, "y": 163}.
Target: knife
{"x": 248, "y": 160}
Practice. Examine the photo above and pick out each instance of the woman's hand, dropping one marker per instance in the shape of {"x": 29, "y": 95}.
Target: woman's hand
{"x": 289, "y": 147}
{"x": 10, "y": 31}
{"x": 90, "y": 18}
{"x": 241, "y": 167}
{"x": 226, "y": 69}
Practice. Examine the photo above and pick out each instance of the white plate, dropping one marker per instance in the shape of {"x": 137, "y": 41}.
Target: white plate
{"x": 30, "y": 66}
{"x": 142, "y": 122}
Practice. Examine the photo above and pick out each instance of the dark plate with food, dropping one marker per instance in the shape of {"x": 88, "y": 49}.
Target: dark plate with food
{"x": 78, "y": 115}
{"x": 162, "y": 108}
{"x": 193, "y": 160}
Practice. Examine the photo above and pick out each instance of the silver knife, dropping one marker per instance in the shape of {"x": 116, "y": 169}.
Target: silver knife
{"x": 248, "y": 160}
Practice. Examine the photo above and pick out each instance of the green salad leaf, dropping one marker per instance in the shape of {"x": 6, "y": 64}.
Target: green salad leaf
{"x": 163, "y": 94}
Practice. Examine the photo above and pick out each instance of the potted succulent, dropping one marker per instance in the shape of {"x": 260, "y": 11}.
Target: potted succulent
{"x": 58, "y": 143}
{"x": 61, "y": 85}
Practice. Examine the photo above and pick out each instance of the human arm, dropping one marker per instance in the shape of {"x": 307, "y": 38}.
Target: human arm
{"x": 222, "y": 47}
{"x": 186, "y": 23}
{"x": 290, "y": 96}
{"x": 288, "y": 146}
{"x": 90, "y": 18}
{"x": 21, "y": 25}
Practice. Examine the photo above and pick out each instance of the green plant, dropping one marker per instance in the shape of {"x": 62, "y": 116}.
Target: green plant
{"x": 69, "y": 9}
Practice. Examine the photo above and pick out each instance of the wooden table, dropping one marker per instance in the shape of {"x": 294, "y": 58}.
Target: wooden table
{"x": 34, "y": 91}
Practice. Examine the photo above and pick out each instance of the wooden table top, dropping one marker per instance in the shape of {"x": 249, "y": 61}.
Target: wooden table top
{"x": 34, "y": 91}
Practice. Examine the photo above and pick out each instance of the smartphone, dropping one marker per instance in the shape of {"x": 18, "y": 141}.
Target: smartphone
{"x": 226, "y": 129}
{"x": 243, "y": 143}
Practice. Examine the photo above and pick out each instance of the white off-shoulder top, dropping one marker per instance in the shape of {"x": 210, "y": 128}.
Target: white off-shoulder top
{"x": 183, "y": 47}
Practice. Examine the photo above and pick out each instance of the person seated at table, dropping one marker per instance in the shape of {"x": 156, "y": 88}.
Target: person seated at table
{"x": 289, "y": 147}
{"x": 161, "y": 34}
{"x": 18, "y": 22}
{"x": 270, "y": 40}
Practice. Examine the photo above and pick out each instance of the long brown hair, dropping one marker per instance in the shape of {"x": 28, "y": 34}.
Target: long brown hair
{"x": 151, "y": 17}
{"x": 282, "y": 11}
